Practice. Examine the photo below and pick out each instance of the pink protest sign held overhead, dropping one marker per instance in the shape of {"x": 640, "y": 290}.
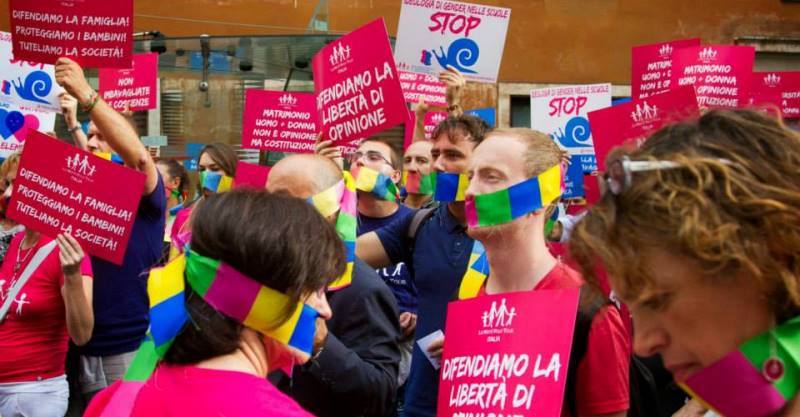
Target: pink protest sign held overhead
{"x": 651, "y": 67}
{"x": 134, "y": 87}
{"x": 434, "y": 35}
{"x": 61, "y": 189}
{"x": 279, "y": 121}
{"x": 251, "y": 175}
{"x": 507, "y": 354}
{"x": 630, "y": 123}
{"x": 96, "y": 33}
{"x": 425, "y": 87}
{"x": 719, "y": 74}
{"x": 780, "y": 88}
{"x": 357, "y": 85}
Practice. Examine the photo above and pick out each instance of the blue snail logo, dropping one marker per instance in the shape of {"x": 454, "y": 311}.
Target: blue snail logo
{"x": 462, "y": 53}
{"x": 36, "y": 87}
{"x": 576, "y": 133}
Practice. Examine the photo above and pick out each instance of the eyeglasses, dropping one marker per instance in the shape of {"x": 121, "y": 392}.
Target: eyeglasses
{"x": 619, "y": 176}
{"x": 372, "y": 156}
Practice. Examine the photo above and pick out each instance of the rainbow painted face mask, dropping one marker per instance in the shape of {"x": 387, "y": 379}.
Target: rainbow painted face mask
{"x": 415, "y": 183}
{"x": 506, "y": 205}
{"x": 215, "y": 182}
{"x": 449, "y": 187}
{"x": 377, "y": 183}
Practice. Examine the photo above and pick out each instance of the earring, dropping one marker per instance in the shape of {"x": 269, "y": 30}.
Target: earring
{"x": 773, "y": 368}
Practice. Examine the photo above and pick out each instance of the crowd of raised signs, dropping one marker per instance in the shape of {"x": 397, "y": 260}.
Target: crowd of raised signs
{"x": 471, "y": 271}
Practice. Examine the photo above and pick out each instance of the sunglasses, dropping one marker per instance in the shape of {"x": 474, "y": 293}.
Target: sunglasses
{"x": 372, "y": 156}
{"x": 619, "y": 176}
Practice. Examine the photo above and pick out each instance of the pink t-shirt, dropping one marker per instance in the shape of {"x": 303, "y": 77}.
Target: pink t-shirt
{"x": 33, "y": 336}
{"x": 174, "y": 391}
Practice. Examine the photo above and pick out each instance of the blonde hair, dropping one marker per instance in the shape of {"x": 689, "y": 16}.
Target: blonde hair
{"x": 732, "y": 205}
{"x": 11, "y": 162}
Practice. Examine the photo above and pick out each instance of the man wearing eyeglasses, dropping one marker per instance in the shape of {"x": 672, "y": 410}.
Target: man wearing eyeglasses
{"x": 374, "y": 212}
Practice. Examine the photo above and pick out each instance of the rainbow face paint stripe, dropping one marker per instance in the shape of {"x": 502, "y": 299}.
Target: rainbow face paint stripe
{"x": 341, "y": 197}
{"x": 215, "y": 182}
{"x": 415, "y": 183}
{"x": 449, "y": 187}
{"x": 514, "y": 202}
{"x": 740, "y": 385}
{"x": 229, "y": 292}
{"x": 377, "y": 183}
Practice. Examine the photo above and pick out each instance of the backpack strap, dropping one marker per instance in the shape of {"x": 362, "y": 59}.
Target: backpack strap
{"x": 589, "y": 305}
{"x": 416, "y": 223}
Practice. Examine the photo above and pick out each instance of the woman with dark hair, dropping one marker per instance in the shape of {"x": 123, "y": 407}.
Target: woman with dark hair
{"x": 217, "y": 167}
{"x": 699, "y": 231}
{"x": 245, "y": 299}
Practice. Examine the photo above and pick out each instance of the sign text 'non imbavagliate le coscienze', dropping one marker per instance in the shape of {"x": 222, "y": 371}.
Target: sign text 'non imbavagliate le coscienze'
{"x": 135, "y": 88}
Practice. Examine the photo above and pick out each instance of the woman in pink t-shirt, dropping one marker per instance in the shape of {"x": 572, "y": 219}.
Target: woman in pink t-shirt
{"x": 217, "y": 365}
{"x": 42, "y": 312}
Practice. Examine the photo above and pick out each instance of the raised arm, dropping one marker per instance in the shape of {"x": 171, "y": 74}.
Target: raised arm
{"x": 116, "y": 130}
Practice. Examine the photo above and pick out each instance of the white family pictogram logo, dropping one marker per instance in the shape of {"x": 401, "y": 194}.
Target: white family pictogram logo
{"x": 499, "y": 316}
{"x": 665, "y": 51}
{"x": 707, "y": 55}
{"x": 287, "y": 100}
{"x": 644, "y": 113}
{"x": 339, "y": 54}
{"x": 81, "y": 166}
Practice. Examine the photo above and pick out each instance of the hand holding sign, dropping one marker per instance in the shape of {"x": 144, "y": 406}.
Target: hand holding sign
{"x": 71, "y": 254}
{"x": 455, "y": 85}
{"x": 70, "y": 76}
{"x": 327, "y": 149}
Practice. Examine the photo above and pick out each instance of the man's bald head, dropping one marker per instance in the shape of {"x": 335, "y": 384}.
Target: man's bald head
{"x": 303, "y": 175}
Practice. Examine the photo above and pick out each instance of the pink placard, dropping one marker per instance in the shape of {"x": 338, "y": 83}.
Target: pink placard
{"x": 251, "y": 175}
{"x": 779, "y": 88}
{"x": 720, "y": 73}
{"x": 529, "y": 331}
{"x": 651, "y": 66}
{"x": 630, "y": 123}
{"x": 135, "y": 87}
{"x": 96, "y": 33}
{"x": 62, "y": 189}
{"x": 279, "y": 121}
{"x": 422, "y": 86}
{"x": 357, "y": 85}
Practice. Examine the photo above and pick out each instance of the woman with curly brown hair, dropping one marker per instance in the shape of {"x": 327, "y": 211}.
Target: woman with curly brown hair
{"x": 699, "y": 231}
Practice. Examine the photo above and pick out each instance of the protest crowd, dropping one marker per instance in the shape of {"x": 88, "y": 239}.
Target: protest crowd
{"x": 469, "y": 271}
